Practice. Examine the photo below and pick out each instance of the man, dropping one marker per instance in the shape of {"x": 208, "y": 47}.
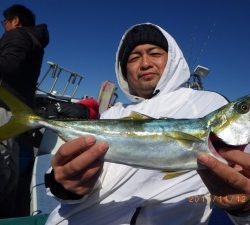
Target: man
{"x": 21, "y": 53}
{"x": 151, "y": 71}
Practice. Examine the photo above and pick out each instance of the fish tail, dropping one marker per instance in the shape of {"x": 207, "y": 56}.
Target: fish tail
{"x": 22, "y": 119}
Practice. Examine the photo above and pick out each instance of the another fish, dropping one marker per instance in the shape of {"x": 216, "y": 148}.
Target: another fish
{"x": 162, "y": 144}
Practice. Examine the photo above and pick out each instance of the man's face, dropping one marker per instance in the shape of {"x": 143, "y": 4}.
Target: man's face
{"x": 144, "y": 69}
{"x": 10, "y": 24}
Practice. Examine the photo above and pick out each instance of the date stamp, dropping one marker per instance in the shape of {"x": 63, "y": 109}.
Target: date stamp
{"x": 211, "y": 198}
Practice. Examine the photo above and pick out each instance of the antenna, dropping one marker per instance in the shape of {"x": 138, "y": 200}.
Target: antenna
{"x": 195, "y": 81}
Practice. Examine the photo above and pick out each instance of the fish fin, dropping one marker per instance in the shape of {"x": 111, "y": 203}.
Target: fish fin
{"x": 184, "y": 139}
{"x": 178, "y": 135}
{"x": 21, "y": 116}
{"x": 173, "y": 174}
{"x": 136, "y": 116}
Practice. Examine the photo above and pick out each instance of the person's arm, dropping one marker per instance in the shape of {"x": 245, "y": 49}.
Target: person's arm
{"x": 229, "y": 185}
{"x": 76, "y": 167}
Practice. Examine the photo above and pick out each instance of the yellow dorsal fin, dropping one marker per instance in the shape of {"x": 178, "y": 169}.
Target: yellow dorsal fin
{"x": 136, "y": 116}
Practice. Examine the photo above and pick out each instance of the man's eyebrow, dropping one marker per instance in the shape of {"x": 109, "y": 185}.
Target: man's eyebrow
{"x": 149, "y": 49}
{"x": 134, "y": 52}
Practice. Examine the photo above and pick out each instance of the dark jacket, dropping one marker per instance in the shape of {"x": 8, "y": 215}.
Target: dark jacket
{"x": 21, "y": 54}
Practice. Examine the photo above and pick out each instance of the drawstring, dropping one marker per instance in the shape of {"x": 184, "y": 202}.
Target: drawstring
{"x": 135, "y": 215}
{"x": 156, "y": 92}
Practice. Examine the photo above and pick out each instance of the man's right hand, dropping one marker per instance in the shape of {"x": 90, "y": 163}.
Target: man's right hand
{"x": 77, "y": 164}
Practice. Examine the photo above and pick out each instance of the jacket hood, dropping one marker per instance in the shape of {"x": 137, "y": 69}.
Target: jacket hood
{"x": 175, "y": 74}
{"x": 40, "y": 32}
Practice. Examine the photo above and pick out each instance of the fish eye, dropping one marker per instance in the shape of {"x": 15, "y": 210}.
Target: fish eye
{"x": 243, "y": 107}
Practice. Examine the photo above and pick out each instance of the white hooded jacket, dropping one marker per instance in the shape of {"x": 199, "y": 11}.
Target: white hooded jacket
{"x": 125, "y": 194}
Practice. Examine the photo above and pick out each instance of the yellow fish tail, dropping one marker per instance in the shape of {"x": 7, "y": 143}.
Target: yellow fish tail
{"x": 22, "y": 118}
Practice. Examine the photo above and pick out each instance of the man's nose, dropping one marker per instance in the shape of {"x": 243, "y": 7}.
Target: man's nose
{"x": 145, "y": 61}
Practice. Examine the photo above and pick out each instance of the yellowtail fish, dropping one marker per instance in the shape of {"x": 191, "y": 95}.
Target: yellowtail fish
{"x": 161, "y": 144}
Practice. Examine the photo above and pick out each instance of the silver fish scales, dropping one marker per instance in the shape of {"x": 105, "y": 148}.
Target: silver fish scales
{"x": 139, "y": 141}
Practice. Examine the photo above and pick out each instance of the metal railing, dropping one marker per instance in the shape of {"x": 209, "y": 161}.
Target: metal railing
{"x": 55, "y": 72}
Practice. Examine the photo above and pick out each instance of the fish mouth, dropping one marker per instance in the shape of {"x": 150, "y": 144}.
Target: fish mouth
{"x": 215, "y": 144}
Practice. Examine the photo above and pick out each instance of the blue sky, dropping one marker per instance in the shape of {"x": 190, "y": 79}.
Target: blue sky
{"x": 84, "y": 36}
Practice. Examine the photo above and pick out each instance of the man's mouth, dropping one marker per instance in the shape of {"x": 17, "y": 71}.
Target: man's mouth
{"x": 147, "y": 76}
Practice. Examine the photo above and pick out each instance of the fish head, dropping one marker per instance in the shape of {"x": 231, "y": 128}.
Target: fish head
{"x": 230, "y": 125}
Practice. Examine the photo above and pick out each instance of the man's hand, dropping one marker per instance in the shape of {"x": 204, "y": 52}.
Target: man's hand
{"x": 77, "y": 164}
{"x": 230, "y": 185}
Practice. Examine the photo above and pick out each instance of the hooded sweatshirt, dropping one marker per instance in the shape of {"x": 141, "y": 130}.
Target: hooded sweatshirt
{"x": 128, "y": 195}
{"x": 21, "y": 55}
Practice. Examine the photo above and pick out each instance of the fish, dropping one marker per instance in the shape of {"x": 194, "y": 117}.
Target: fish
{"x": 164, "y": 144}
